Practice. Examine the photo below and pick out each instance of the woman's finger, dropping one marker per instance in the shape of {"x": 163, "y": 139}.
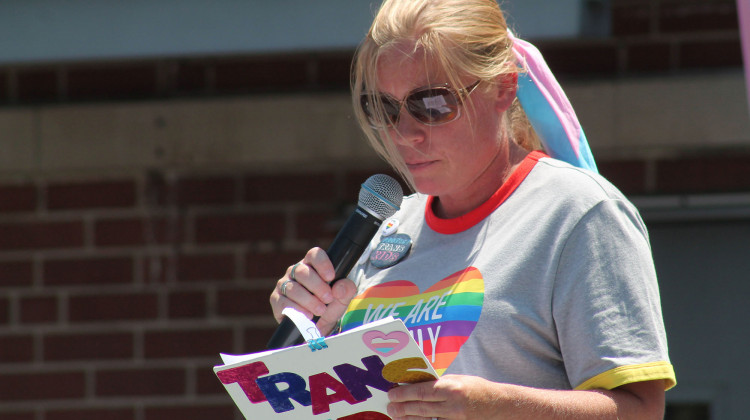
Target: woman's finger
{"x": 308, "y": 276}
{"x": 298, "y": 291}
{"x": 343, "y": 291}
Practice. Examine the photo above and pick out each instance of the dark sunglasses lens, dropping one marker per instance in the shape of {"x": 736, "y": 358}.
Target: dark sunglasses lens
{"x": 433, "y": 106}
{"x": 390, "y": 109}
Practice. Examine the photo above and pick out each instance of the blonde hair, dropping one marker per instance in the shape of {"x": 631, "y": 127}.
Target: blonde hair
{"x": 463, "y": 37}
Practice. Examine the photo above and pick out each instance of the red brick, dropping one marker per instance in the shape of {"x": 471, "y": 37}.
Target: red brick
{"x": 241, "y": 302}
{"x": 581, "y": 58}
{"x": 321, "y": 226}
{"x": 112, "y": 82}
{"x": 334, "y": 70}
{"x": 140, "y": 382}
{"x": 710, "y": 54}
{"x": 16, "y": 273}
{"x": 132, "y": 232}
{"x": 102, "y": 346}
{"x": 108, "y": 413}
{"x": 21, "y": 415}
{"x": 271, "y": 265}
{"x": 191, "y": 268}
{"x": 649, "y": 57}
{"x": 188, "y": 305}
{"x": 290, "y": 188}
{"x": 91, "y": 195}
{"x": 40, "y": 235}
{"x": 122, "y": 307}
{"x": 191, "y": 76}
{"x": 207, "y": 383}
{"x": 42, "y": 386}
{"x": 628, "y": 176}
{"x": 38, "y": 309}
{"x": 16, "y": 198}
{"x": 239, "y": 227}
{"x": 633, "y": 18}
{"x": 353, "y": 181}
{"x": 701, "y": 175}
{"x": 238, "y": 75}
{"x": 4, "y": 310}
{"x": 114, "y": 270}
{"x": 192, "y": 343}
{"x": 122, "y": 232}
{"x": 697, "y": 16}
{"x": 16, "y": 348}
{"x": 4, "y": 86}
{"x": 35, "y": 85}
{"x": 256, "y": 338}
{"x": 192, "y": 191}
{"x": 191, "y": 412}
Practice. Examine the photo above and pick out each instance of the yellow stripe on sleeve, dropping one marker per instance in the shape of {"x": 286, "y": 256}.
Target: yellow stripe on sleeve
{"x": 633, "y": 373}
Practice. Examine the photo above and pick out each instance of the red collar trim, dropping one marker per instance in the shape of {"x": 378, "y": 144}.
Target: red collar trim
{"x": 468, "y": 220}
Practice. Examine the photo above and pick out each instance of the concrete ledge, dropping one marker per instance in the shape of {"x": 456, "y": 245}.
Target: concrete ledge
{"x": 650, "y": 118}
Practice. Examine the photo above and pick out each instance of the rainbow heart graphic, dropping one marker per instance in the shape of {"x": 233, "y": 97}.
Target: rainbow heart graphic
{"x": 440, "y": 319}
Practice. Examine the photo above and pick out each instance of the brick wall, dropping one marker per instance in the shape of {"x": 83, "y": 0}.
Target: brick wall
{"x": 675, "y": 35}
{"x": 117, "y": 293}
{"x": 116, "y": 296}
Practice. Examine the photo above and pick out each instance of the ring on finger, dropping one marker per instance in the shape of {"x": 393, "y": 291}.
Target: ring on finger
{"x": 291, "y": 274}
{"x": 284, "y": 285}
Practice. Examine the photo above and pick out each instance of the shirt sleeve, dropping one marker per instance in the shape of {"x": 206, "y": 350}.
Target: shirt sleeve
{"x": 606, "y": 303}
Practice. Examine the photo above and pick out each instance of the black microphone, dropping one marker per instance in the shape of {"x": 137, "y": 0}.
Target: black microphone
{"x": 379, "y": 198}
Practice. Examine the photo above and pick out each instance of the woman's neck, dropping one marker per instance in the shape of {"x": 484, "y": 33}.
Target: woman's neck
{"x": 495, "y": 175}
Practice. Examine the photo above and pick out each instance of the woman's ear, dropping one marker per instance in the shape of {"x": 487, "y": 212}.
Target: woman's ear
{"x": 507, "y": 85}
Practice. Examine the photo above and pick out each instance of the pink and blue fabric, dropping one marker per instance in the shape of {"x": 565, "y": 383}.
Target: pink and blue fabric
{"x": 549, "y": 110}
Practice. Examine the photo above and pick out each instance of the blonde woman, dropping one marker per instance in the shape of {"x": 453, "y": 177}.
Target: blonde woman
{"x": 529, "y": 282}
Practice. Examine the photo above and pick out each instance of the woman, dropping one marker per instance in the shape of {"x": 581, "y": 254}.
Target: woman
{"x": 529, "y": 282}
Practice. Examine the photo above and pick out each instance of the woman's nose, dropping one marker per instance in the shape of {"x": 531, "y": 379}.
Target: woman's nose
{"x": 409, "y": 130}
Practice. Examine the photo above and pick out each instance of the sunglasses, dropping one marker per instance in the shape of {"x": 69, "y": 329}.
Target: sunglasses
{"x": 430, "y": 105}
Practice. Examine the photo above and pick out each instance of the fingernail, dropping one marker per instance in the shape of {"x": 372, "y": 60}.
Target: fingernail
{"x": 328, "y": 297}
{"x": 320, "y": 310}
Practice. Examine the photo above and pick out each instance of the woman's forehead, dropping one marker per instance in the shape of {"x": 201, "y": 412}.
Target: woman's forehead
{"x": 408, "y": 63}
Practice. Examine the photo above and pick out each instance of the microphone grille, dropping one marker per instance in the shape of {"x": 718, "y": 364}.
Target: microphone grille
{"x": 381, "y": 195}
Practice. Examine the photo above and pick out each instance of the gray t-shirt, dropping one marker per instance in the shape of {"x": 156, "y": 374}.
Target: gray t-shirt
{"x": 550, "y": 284}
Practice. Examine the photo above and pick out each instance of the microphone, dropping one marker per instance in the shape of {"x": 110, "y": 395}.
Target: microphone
{"x": 379, "y": 198}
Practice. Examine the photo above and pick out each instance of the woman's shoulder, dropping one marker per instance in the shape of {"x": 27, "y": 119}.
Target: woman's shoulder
{"x": 560, "y": 177}
{"x": 564, "y": 193}
{"x": 568, "y": 190}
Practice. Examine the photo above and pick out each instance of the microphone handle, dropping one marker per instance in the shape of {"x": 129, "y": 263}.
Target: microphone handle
{"x": 345, "y": 250}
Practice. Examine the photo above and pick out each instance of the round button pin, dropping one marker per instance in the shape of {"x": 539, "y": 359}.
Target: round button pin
{"x": 391, "y": 250}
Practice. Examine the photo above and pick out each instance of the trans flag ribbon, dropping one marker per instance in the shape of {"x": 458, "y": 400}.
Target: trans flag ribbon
{"x": 549, "y": 110}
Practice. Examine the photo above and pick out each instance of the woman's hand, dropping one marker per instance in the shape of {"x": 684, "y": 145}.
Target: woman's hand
{"x": 306, "y": 287}
{"x": 461, "y": 397}
{"x": 452, "y": 397}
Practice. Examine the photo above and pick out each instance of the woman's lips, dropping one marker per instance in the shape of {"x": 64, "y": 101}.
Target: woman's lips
{"x": 417, "y": 165}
